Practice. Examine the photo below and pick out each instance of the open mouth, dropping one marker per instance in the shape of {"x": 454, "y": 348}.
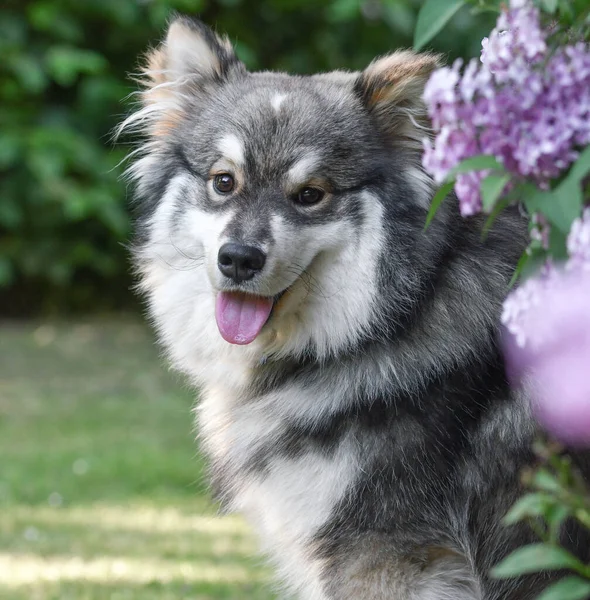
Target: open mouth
{"x": 240, "y": 317}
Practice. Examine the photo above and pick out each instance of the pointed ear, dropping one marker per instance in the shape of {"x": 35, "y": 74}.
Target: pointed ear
{"x": 184, "y": 65}
{"x": 191, "y": 50}
{"x": 391, "y": 88}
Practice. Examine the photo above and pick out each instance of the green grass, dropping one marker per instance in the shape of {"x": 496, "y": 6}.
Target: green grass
{"x": 102, "y": 491}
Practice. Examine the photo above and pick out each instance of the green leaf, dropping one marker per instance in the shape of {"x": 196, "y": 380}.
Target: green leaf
{"x": 10, "y": 149}
{"x": 561, "y": 205}
{"x": 568, "y": 588}
{"x": 583, "y": 515}
{"x": 440, "y": 195}
{"x": 547, "y": 482}
{"x": 519, "y": 267}
{"x": 555, "y": 516}
{"x": 529, "y": 264}
{"x": 480, "y": 162}
{"x": 65, "y": 63}
{"x": 29, "y": 71}
{"x": 491, "y": 188}
{"x": 581, "y": 167}
{"x": 564, "y": 203}
{"x": 433, "y": 16}
{"x": 342, "y": 11}
{"x": 534, "y": 558}
{"x": 478, "y": 10}
{"x": 531, "y": 505}
{"x": 533, "y": 265}
{"x": 549, "y": 6}
{"x": 558, "y": 244}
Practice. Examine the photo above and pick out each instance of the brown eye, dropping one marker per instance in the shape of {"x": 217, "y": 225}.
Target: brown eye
{"x": 309, "y": 195}
{"x": 223, "y": 183}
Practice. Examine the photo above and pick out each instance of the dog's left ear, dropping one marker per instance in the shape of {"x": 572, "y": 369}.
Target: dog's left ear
{"x": 391, "y": 88}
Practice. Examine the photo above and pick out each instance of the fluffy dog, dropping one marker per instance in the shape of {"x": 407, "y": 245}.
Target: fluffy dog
{"x": 354, "y": 404}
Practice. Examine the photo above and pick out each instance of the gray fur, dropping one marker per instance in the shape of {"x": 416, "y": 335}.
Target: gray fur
{"x": 368, "y": 433}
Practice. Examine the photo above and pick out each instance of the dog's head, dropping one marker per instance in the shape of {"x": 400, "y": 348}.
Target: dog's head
{"x": 269, "y": 200}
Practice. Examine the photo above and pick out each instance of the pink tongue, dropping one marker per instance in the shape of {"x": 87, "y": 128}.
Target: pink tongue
{"x": 240, "y": 317}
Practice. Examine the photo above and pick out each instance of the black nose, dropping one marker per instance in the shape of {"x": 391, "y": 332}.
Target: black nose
{"x": 240, "y": 262}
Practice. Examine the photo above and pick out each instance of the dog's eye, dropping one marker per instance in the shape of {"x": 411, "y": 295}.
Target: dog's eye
{"x": 309, "y": 195}
{"x": 223, "y": 183}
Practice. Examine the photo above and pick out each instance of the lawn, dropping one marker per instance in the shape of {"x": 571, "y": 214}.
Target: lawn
{"x": 102, "y": 490}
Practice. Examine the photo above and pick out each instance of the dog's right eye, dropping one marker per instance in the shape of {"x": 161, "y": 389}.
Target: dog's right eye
{"x": 309, "y": 195}
{"x": 223, "y": 183}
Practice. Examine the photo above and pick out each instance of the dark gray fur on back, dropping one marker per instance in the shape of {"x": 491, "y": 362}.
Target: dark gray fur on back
{"x": 375, "y": 445}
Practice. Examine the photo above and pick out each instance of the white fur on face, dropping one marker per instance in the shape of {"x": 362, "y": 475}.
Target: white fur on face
{"x": 302, "y": 169}
{"x": 277, "y": 100}
{"x": 334, "y": 299}
{"x": 232, "y": 149}
{"x": 328, "y": 306}
{"x": 177, "y": 264}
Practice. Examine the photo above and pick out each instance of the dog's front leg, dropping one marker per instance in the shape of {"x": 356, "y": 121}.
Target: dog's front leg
{"x": 374, "y": 572}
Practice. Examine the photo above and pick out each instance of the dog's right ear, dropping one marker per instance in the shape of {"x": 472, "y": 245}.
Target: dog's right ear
{"x": 191, "y": 51}
{"x": 190, "y": 62}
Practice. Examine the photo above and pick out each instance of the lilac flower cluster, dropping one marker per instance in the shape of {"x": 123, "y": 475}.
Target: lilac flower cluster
{"x": 547, "y": 320}
{"x": 526, "y": 106}
{"x": 550, "y": 354}
{"x": 518, "y": 315}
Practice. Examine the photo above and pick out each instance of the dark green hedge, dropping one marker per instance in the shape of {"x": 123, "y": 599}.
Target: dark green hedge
{"x": 63, "y": 75}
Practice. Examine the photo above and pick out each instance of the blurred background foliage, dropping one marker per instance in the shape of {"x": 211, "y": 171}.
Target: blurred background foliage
{"x": 64, "y": 75}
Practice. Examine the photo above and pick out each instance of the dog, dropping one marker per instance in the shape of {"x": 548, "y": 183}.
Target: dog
{"x": 354, "y": 404}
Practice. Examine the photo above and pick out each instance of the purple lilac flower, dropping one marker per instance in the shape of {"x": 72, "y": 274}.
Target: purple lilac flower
{"x": 578, "y": 244}
{"x": 528, "y": 108}
{"x": 547, "y": 340}
{"x": 550, "y": 353}
{"x": 467, "y": 188}
{"x": 521, "y": 306}
{"x": 516, "y": 42}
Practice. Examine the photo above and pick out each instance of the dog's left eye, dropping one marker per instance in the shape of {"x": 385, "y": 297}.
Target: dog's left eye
{"x": 223, "y": 183}
{"x": 309, "y": 195}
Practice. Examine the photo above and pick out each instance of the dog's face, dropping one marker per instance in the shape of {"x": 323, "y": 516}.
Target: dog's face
{"x": 263, "y": 193}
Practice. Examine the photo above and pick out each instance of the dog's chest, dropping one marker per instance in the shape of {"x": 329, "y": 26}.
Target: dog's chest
{"x": 287, "y": 497}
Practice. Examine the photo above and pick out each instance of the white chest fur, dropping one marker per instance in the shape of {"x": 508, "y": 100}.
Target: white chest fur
{"x": 289, "y": 500}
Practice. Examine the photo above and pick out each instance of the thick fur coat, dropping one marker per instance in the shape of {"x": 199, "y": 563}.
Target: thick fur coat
{"x": 367, "y": 431}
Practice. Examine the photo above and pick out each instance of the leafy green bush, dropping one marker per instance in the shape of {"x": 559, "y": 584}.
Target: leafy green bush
{"x": 63, "y": 74}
